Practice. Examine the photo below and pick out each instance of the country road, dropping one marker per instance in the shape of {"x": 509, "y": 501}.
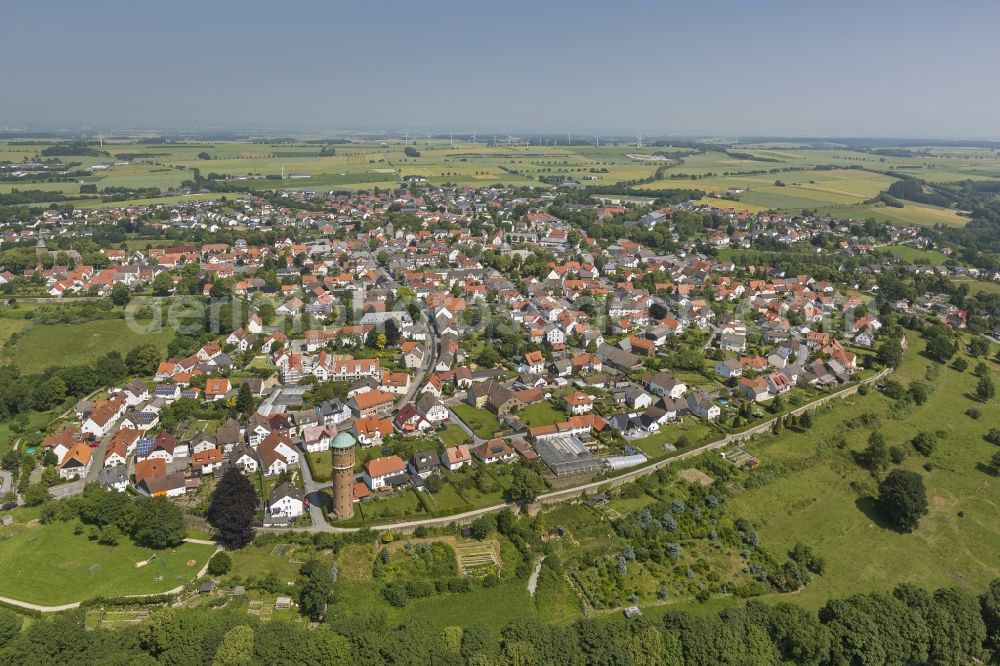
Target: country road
{"x": 533, "y": 578}
{"x": 576, "y": 491}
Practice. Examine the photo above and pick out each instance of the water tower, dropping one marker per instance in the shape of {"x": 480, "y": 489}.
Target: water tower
{"x": 343, "y": 475}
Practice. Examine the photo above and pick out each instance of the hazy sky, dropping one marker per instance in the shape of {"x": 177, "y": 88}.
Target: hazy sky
{"x": 710, "y": 67}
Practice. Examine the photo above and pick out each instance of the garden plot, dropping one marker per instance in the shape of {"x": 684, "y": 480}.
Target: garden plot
{"x": 478, "y": 558}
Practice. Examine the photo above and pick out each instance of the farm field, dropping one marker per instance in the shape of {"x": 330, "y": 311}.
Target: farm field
{"x": 366, "y": 163}
{"x": 67, "y": 344}
{"x": 807, "y": 188}
{"x": 718, "y": 202}
{"x": 823, "y": 497}
{"x": 49, "y": 565}
{"x": 911, "y": 213}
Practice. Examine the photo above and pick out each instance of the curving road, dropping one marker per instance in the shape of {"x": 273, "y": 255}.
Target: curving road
{"x": 575, "y": 491}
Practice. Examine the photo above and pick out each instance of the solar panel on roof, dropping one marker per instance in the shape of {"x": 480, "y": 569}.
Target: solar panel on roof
{"x": 144, "y": 446}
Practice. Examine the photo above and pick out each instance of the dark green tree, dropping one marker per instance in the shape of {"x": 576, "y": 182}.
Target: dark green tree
{"x": 244, "y": 399}
{"x": 143, "y": 360}
{"x": 902, "y": 499}
{"x": 985, "y": 389}
{"x": 232, "y": 509}
{"x": 158, "y": 523}
{"x": 120, "y": 294}
{"x": 220, "y": 564}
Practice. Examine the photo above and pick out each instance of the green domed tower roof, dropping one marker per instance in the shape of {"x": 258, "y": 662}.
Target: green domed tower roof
{"x": 343, "y": 440}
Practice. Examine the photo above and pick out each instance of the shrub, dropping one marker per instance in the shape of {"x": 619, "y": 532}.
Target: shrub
{"x": 925, "y": 443}
{"x": 220, "y": 564}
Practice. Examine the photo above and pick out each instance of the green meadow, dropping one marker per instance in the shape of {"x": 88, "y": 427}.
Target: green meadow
{"x": 42, "y": 346}
{"x": 50, "y": 565}
{"x": 819, "y": 495}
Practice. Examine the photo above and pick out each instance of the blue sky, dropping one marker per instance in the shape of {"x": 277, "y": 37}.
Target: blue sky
{"x": 711, "y": 67}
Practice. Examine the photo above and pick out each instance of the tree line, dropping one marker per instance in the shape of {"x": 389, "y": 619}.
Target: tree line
{"x": 907, "y": 625}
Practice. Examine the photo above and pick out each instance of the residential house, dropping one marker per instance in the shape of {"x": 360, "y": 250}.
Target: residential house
{"x": 494, "y": 451}
{"x": 424, "y": 463}
{"x": 381, "y": 472}
{"x": 286, "y": 502}
{"x": 76, "y": 462}
{"x": 277, "y": 454}
{"x": 579, "y": 402}
{"x": 701, "y": 404}
{"x": 371, "y": 403}
{"x": 754, "y": 388}
{"x": 369, "y": 431}
{"x": 456, "y": 457}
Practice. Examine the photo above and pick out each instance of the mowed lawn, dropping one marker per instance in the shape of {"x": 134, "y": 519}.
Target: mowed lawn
{"x": 825, "y": 503}
{"x": 68, "y": 344}
{"x": 541, "y": 413}
{"x": 453, "y": 435}
{"x": 49, "y": 565}
{"x": 482, "y": 422}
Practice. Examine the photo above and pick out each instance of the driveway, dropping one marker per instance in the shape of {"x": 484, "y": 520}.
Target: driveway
{"x": 312, "y": 489}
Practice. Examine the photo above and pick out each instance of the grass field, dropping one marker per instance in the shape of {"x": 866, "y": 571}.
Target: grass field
{"x": 49, "y": 565}
{"x": 359, "y": 592}
{"x": 453, "y": 435}
{"x": 914, "y": 254}
{"x": 482, "y": 422}
{"x": 67, "y": 344}
{"x": 541, "y": 413}
{"x": 824, "y": 502}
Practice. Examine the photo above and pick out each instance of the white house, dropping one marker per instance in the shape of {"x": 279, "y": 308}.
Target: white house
{"x": 666, "y": 385}
{"x": 104, "y": 416}
{"x": 77, "y": 462}
{"x": 378, "y": 471}
{"x": 432, "y": 409}
{"x": 456, "y": 457}
{"x": 277, "y": 454}
{"x": 135, "y": 392}
{"x": 286, "y": 502}
{"x": 317, "y": 438}
{"x": 702, "y": 405}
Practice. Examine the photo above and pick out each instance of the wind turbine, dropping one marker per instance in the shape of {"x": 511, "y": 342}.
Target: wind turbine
{"x": 597, "y": 141}
{"x": 474, "y": 139}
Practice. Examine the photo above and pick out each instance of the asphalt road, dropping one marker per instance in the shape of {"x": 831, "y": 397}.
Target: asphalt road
{"x": 574, "y": 491}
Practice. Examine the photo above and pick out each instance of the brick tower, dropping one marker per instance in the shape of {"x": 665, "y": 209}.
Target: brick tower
{"x": 343, "y": 475}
